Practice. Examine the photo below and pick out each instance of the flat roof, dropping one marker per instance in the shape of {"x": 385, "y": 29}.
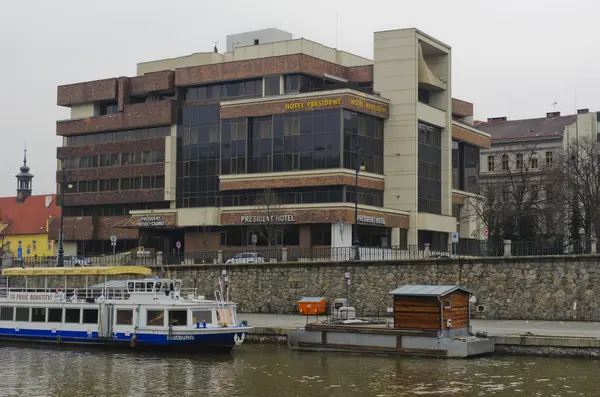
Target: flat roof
{"x": 427, "y": 290}
{"x": 77, "y": 271}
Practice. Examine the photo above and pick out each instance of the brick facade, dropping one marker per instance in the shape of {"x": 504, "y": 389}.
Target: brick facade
{"x": 90, "y": 91}
{"x": 319, "y": 215}
{"x": 140, "y": 115}
{"x": 91, "y": 228}
{"x": 163, "y": 82}
{"x": 462, "y": 108}
{"x": 143, "y": 145}
{"x": 306, "y": 104}
{"x": 282, "y": 181}
{"x": 116, "y": 197}
{"x": 360, "y": 74}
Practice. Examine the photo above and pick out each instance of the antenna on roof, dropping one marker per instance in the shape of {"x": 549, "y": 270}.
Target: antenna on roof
{"x": 554, "y": 105}
{"x": 216, "y": 49}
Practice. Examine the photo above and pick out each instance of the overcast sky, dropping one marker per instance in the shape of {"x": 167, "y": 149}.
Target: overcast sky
{"x": 511, "y": 58}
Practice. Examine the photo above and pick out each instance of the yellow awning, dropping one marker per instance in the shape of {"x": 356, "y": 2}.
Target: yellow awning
{"x": 77, "y": 271}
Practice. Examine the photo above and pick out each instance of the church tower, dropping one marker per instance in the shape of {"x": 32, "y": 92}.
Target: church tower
{"x": 24, "y": 181}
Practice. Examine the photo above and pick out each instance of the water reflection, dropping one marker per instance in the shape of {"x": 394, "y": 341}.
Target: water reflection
{"x": 264, "y": 371}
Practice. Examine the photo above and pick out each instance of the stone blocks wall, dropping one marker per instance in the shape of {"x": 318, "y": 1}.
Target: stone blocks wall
{"x": 534, "y": 288}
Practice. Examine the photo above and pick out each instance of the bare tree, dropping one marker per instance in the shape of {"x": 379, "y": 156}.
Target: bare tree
{"x": 579, "y": 170}
{"x": 516, "y": 200}
{"x": 270, "y": 220}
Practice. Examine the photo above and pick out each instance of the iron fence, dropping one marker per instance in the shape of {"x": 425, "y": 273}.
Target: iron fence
{"x": 465, "y": 249}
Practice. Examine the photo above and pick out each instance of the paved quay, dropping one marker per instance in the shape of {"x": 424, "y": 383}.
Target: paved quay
{"x": 572, "y": 329}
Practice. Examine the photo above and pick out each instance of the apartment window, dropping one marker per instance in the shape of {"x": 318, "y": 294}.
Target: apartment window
{"x": 272, "y": 85}
{"x": 535, "y": 190}
{"x": 533, "y": 161}
{"x": 491, "y": 163}
{"x": 505, "y": 194}
{"x": 519, "y": 161}
{"x": 33, "y": 245}
{"x": 505, "y": 162}
{"x": 548, "y": 158}
{"x": 20, "y": 244}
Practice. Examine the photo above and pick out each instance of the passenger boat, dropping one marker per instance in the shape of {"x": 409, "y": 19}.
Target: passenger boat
{"x": 143, "y": 313}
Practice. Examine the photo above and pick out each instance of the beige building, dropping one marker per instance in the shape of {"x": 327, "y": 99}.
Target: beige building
{"x": 291, "y": 117}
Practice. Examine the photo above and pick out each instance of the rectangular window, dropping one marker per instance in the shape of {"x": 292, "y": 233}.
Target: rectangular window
{"x": 519, "y": 161}
{"x": 22, "y": 314}
{"x": 90, "y": 316}
{"x": 72, "y": 316}
{"x": 124, "y": 317}
{"x": 178, "y": 318}
{"x": 505, "y": 162}
{"x": 491, "y": 163}
{"x": 38, "y": 314}
{"x": 533, "y": 161}
{"x": 548, "y": 158}
{"x": 199, "y": 316}
{"x": 549, "y": 194}
{"x": 272, "y": 85}
{"x": 155, "y": 318}
{"x": 54, "y": 315}
{"x": 33, "y": 245}
{"x": 6, "y": 313}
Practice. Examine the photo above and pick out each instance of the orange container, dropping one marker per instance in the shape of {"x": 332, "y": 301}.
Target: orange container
{"x": 312, "y": 305}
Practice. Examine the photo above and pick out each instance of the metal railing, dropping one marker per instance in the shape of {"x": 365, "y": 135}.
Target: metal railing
{"x": 463, "y": 249}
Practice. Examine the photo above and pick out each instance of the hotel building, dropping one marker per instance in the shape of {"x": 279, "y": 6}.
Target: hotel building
{"x": 209, "y": 148}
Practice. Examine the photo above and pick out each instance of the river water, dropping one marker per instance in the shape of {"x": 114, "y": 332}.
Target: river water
{"x": 265, "y": 370}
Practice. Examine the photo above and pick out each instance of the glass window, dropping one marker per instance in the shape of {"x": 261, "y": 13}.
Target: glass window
{"x": 491, "y": 164}
{"x": 505, "y": 165}
{"x": 519, "y": 161}
{"x": 199, "y": 316}
{"x": 292, "y": 83}
{"x": 124, "y": 317}
{"x": 72, "y": 316}
{"x": 6, "y": 313}
{"x": 178, "y": 317}
{"x": 548, "y": 158}
{"x": 22, "y": 314}
{"x": 155, "y": 318}
{"x": 38, "y": 314}
{"x": 272, "y": 85}
{"x": 54, "y": 315}
{"x": 429, "y": 172}
{"x": 90, "y": 316}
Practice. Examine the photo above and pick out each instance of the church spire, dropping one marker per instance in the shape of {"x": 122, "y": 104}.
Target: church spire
{"x": 24, "y": 180}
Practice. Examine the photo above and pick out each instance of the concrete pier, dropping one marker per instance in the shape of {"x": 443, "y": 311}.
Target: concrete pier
{"x": 540, "y": 338}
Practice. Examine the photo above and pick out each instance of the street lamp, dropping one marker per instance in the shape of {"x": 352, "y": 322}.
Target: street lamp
{"x": 64, "y": 186}
{"x": 360, "y": 153}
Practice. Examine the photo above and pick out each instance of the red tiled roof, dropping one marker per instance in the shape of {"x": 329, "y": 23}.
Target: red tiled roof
{"x": 28, "y": 217}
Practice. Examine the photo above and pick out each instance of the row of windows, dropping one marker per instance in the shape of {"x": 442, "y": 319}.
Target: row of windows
{"x": 519, "y": 163}
{"x": 118, "y": 136}
{"x": 112, "y": 209}
{"x": 429, "y": 172}
{"x": 105, "y": 185}
{"x": 330, "y": 194}
{"x": 109, "y": 160}
{"x": 234, "y": 89}
{"x": 33, "y": 245}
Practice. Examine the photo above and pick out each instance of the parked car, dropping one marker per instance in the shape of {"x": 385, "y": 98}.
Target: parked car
{"x": 246, "y": 257}
{"x": 74, "y": 261}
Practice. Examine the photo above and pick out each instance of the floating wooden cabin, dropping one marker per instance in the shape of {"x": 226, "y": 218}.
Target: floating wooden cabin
{"x": 442, "y": 308}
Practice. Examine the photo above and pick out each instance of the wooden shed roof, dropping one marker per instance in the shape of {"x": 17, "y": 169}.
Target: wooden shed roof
{"x": 427, "y": 290}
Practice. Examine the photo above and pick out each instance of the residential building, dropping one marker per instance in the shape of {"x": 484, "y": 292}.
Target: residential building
{"x": 208, "y": 148}
{"x": 24, "y": 219}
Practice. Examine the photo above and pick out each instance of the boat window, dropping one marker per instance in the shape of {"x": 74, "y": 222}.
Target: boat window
{"x": 157, "y": 287}
{"x": 177, "y": 286}
{"x": 149, "y": 286}
{"x": 72, "y": 316}
{"x": 125, "y": 317}
{"x": 90, "y": 316}
{"x": 198, "y": 316}
{"x": 178, "y": 318}
{"x": 155, "y": 318}
{"x": 54, "y": 315}
{"x": 6, "y": 313}
{"x": 22, "y": 314}
{"x": 38, "y": 314}
{"x": 130, "y": 286}
{"x": 139, "y": 287}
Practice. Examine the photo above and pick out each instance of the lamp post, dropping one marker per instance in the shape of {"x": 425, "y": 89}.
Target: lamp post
{"x": 64, "y": 186}
{"x": 359, "y": 166}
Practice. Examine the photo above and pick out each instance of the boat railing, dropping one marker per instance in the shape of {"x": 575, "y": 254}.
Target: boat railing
{"x": 90, "y": 295}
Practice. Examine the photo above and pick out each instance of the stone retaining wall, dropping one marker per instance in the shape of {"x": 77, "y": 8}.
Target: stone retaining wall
{"x": 532, "y": 288}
